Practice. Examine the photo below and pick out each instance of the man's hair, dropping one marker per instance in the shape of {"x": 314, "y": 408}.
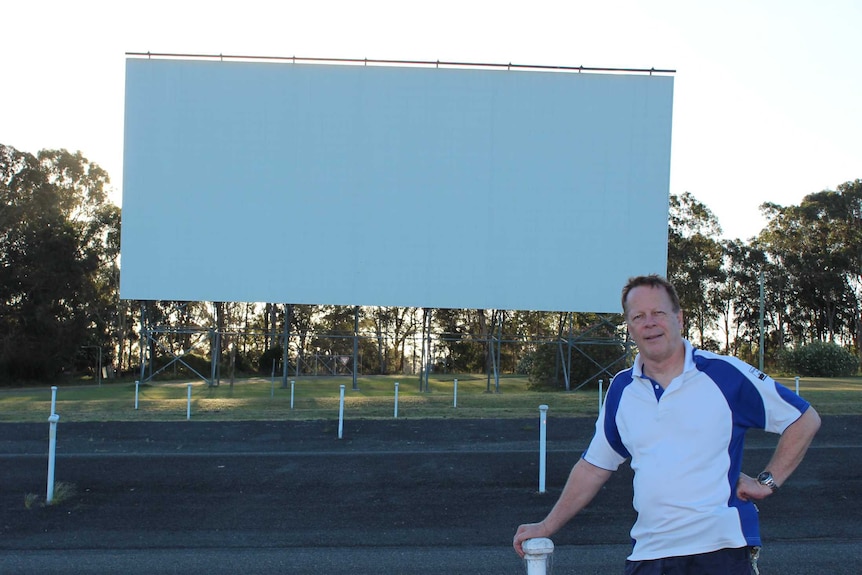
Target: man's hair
{"x": 652, "y": 280}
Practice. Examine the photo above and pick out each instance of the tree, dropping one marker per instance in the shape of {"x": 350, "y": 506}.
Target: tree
{"x": 740, "y": 295}
{"x": 302, "y": 327}
{"x": 849, "y": 225}
{"x": 695, "y": 259}
{"x": 817, "y": 245}
{"x": 391, "y": 327}
{"x": 463, "y": 339}
{"x": 58, "y": 248}
{"x": 526, "y": 330}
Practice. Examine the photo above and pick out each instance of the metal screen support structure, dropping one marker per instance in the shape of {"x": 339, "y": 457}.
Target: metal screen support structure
{"x": 144, "y": 339}
{"x": 288, "y": 314}
{"x": 215, "y": 347}
{"x": 565, "y": 363}
{"x": 584, "y": 338}
{"x": 426, "y": 350}
{"x": 569, "y": 356}
{"x": 495, "y": 349}
{"x": 566, "y": 355}
{"x": 502, "y": 318}
{"x": 152, "y": 342}
{"x": 355, "y": 346}
{"x": 149, "y": 342}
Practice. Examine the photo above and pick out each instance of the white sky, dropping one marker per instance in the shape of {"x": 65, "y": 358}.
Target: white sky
{"x": 767, "y": 93}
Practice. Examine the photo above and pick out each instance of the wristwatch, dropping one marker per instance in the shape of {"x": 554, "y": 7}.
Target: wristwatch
{"x": 765, "y": 478}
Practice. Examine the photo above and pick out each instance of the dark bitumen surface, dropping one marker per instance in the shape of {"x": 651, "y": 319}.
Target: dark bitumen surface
{"x": 391, "y": 496}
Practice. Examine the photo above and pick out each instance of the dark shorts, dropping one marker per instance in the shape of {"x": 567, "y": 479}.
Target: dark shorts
{"x": 721, "y": 562}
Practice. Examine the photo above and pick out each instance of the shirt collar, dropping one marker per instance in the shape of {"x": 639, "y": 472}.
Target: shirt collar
{"x": 638, "y": 367}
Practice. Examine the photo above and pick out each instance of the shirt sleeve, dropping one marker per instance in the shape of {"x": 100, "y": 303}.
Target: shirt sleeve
{"x": 781, "y": 406}
{"x": 606, "y": 449}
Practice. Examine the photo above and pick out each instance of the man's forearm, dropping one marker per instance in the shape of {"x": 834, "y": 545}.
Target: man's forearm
{"x": 585, "y": 481}
{"x": 793, "y": 444}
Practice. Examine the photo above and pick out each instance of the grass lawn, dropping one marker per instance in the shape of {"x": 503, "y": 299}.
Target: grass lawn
{"x": 318, "y": 398}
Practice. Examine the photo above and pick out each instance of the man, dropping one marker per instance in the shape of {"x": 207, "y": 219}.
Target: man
{"x": 680, "y": 415}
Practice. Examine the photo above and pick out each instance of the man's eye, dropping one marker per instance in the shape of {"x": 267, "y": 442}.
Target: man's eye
{"x": 660, "y": 314}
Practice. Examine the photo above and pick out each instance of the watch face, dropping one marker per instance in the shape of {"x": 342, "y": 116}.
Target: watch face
{"x": 765, "y": 478}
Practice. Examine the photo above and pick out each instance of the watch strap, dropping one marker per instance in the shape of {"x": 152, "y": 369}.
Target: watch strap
{"x": 766, "y": 478}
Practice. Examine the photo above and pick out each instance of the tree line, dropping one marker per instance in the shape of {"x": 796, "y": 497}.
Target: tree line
{"x": 60, "y": 306}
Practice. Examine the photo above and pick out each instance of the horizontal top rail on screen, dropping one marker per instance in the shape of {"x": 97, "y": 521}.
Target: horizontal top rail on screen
{"x": 435, "y": 63}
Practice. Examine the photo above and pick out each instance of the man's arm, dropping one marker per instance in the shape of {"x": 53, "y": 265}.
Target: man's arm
{"x": 788, "y": 455}
{"x": 583, "y": 484}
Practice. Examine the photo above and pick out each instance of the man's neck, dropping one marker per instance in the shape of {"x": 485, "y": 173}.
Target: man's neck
{"x": 663, "y": 372}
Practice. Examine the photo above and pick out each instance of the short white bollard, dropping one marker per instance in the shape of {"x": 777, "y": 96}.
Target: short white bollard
{"x": 189, "y": 403}
{"x": 455, "y": 395}
{"x": 53, "y": 399}
{"x": 538, "y": 554}
{"x": 52, "y": 450}
{"x": 396, "y": 400}
{"x": 797, "y": 385}
{"x": 341, "y": 414}
{"x": 543, "y": 434}
{"x": 137, "y": 390}
{"x": 292, "y": 386}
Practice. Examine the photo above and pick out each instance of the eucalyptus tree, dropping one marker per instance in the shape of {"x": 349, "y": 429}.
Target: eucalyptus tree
{"x": 58, "y": 249}
{"x": 463, "y": 339}
{"x": 334, "y": 329}
{"x": 391, "y": 328}
{"x": 817, "y": 246}
{"x": 695, "y": 259}
{"x": 851, "y": 228}
{"x": 740, "y": 311}
{"x": 302, "y": 325}
{"x": 232, "y": 342}
{"x": 746, "y": 266}
{"x": 524, "y": 331}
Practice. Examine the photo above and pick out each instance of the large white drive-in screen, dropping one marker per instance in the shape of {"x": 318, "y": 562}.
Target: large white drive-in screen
{"x": 398, "y": 186}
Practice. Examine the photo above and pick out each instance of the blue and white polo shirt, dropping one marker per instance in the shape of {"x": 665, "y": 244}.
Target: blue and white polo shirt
{"x": 685, "y": 445}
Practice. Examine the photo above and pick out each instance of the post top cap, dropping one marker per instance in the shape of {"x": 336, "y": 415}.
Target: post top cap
{"x": 538, "y": 546}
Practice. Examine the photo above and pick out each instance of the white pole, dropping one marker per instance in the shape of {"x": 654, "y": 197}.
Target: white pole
{"x": 601, "y": 393}
{"x": 52, "y": 449}
{"x": 341, "y": 414}
{"x": 537, "y": 555}
{"x": 137, "y": 388}
{"x": 189, "y": 403}
{"x": 292, "y": 386}
{"x": 543, "y": 429}
{"x": 797, "y": 385}
{"x": 455, "y": 400}
{"x": 53, "y": 399}
{"x": 396, "y": 400}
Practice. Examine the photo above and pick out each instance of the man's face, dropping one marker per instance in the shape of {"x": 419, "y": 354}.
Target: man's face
{"x": 652, "y": 323}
